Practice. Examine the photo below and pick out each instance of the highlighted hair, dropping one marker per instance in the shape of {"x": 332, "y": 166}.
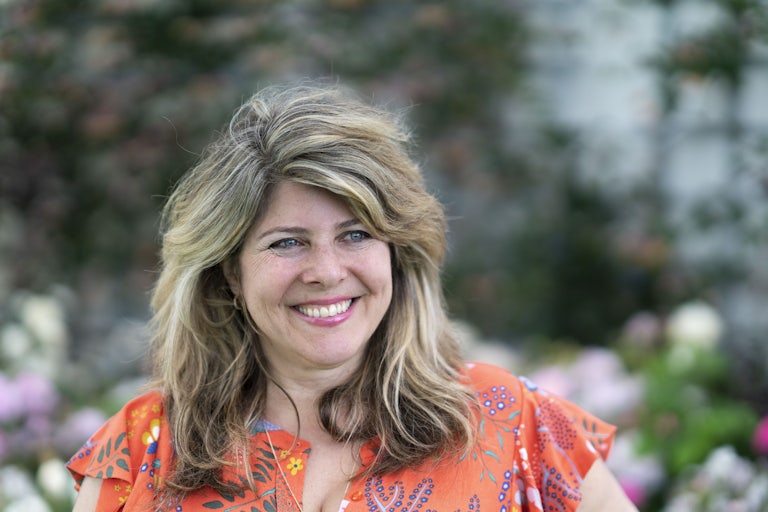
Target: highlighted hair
{"x": 408, "y": 393}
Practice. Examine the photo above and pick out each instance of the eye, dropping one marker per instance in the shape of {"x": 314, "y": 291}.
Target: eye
{"x": 285, "y": 243}
{"x": 356, "y": 236}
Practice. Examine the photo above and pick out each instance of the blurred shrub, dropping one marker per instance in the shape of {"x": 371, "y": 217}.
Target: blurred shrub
{"x": 104, "y": 103}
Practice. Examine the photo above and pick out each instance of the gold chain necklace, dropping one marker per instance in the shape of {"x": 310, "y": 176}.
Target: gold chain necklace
{"x": 285, "y": 477}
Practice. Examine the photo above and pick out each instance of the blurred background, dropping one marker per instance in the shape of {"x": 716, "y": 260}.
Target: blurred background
{"x": 604, "y": 164}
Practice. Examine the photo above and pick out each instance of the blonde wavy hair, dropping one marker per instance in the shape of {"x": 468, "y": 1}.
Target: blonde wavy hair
{"x": 409, "y": 393}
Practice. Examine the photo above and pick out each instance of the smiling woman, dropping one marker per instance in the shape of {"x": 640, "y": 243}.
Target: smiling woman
{"x": 303, "y": 359}
{"x": 316, "y": 284}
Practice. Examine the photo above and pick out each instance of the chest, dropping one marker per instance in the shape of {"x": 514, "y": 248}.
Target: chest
{"x": 284, "y": 481}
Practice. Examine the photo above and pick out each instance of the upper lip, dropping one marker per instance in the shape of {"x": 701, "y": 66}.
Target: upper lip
{"x": 324, "y": 302}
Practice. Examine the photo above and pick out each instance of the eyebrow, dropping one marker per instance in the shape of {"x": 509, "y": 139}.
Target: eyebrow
{"x": 295, "y": 230}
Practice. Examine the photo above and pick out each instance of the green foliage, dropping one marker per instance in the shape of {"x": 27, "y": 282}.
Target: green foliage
{"x": 690, "y": 408}
{"x": 555, "y": 266}
{"x": 103, "y": 104}
{"x": 723, "y": 51}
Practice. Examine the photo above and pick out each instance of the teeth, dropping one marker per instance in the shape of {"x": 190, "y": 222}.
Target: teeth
{"x": 325, "y": 311}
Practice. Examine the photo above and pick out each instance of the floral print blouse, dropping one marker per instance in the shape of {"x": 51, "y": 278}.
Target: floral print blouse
{"x": 532, "y": 453}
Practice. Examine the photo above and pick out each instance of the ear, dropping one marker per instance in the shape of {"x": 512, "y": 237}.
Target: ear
{"x": 231, "y": 269}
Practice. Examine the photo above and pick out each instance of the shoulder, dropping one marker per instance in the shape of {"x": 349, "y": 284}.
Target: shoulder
{"x": 484, "y": 375}
{"x": 122, "y": 443}
{"x": 484, "y": 378}
{"x": 143, "y": 413}
{"x": 498, "y": 392}
{"x": 143, "y": 408}
{"x": 501, "y": 394}
{"x": 555, "y": 442}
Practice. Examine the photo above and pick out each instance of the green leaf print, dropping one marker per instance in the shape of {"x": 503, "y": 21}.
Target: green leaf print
{"x": 119, "y": 440}
{"x": 122, "y": 464}
{"x": 262, "y": 474}
{"x": 268, "y": 453}
{"x": 213, "y": 504}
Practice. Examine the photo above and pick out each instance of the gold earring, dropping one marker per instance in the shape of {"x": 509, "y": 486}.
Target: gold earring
{"x": 236, "y": 303}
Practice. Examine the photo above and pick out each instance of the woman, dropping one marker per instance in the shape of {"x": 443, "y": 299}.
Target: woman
{"x": 302, "y": 356}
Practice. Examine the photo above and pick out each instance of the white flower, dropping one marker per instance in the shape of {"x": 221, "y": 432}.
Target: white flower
{"x": 694, "y": 324}
{"x": 15, "y": 343}
{"x": 53, "y": 478}
{"x": 757, "y": 494}
{"x": 44, "y": 317}
{"x": 725, "y": 481}
{"x": 723, "y": 465}
{"x": 29, "y": 503}
{"x": 15, "y": 483}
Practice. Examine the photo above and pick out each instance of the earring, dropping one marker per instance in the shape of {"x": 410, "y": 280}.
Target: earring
{"x": 236, "y": 303}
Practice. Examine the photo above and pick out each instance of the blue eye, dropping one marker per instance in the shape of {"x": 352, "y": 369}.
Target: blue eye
{"x": 357, "y": 236}
{"x": 285, "y": 243}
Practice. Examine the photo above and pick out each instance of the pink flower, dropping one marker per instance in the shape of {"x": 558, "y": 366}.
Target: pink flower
{"x": 3, "y": 447}
{"x": 634, "y": 490}
{"x": 554, "y": 380}
{"x": 78, "y": 427}
{"x": 760, "y": 437}
{"x": 38, "y": 393}
{"x": 11, "y": 402}
{"x": 642, "y": 330}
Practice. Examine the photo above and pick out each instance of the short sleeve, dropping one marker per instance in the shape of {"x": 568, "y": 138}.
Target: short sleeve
{"x": 543, "y": 445}
{"x": 127, "y": 453}
{"x": 557, "y": 444}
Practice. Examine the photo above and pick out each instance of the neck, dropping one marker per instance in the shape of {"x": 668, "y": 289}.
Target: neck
{"x": 304, "y": 392}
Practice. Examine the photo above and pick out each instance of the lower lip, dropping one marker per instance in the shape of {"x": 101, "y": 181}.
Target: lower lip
{"x": 328, "y": 321}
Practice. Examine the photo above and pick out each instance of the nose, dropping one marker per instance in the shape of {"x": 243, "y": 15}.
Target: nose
{"x": 324, "y": 266}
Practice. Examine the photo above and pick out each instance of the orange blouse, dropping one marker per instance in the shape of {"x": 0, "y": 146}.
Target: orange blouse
{"x": 532, "y": 453}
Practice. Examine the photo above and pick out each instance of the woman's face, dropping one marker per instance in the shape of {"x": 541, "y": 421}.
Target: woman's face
{"x": 315, "y": 282}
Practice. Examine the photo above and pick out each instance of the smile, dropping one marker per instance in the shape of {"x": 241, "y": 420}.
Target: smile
{"x": 325, "y": 311}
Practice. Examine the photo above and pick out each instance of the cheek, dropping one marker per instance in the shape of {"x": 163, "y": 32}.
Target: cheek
{"x": 263, "y": 283}
{"x": 382, "y": 271}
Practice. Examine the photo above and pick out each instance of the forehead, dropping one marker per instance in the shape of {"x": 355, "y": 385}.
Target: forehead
{"x": 291, "y": 202}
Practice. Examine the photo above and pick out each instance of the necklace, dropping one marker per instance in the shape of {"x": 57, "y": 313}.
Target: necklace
{"x": 279, "y": 464}
{"x": 285, "y": 477}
